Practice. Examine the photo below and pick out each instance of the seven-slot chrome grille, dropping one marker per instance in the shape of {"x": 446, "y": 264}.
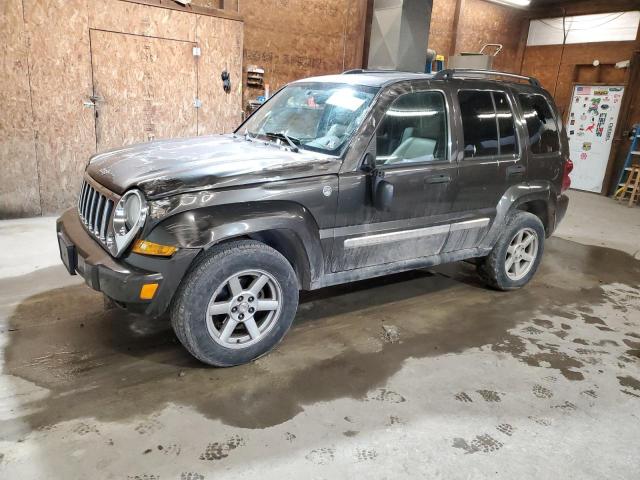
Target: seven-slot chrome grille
{"x": 95, "y": 206}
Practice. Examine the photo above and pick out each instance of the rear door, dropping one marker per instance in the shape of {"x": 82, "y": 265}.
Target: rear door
{"x": 491, "y": 162}
{"x": 412, "y": 150}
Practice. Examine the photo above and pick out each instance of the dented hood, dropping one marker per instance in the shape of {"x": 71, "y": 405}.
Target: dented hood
{"x": 168, "y": 167}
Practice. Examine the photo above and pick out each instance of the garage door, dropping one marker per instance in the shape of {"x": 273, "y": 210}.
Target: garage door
{"x": 144, "y": 88}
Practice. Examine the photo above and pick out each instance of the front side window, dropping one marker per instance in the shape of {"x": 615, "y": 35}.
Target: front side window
{"x": 413, "y": 130}
{"x": 542, "y": 128}
{"x": 318, "y": 116}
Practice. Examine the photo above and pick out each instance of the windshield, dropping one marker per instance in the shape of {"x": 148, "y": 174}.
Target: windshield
{"x": 314, "y": 116}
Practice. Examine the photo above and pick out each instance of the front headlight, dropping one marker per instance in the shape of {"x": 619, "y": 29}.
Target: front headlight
{"x": 128, "y": 219}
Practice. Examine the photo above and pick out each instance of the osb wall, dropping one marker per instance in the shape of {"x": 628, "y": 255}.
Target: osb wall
{"x": 293, "y": 39}
{"x": 47, "y": 134}
{"x": 481, "y": 22}
{"x": 18, "y": 178}
{"x": 555, "y": 67}
{"x": 60, "y": 76}
{"x": 220, "y": 112}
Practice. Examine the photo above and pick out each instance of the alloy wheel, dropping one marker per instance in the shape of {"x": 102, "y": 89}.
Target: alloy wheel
{"x": 521, "y": 254}
{"x": 244, "y": 309}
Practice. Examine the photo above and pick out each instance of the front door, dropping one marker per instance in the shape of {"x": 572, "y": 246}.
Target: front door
{"x": 411, "y": 147}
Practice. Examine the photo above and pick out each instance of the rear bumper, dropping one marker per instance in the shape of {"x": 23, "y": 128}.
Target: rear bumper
{"x": 120, "y": 279}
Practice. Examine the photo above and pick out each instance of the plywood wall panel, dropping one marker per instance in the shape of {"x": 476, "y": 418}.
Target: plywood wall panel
{"x": 555, "y": 66}
{"x": 146, "y": 87}
{"x": 60, "y": 82}
{"x": 485, "y": 22}
{"x": 294, "y": 39}
{"x": 133, "y": 18}
{"x": 19, "y": 195}
{"x": 441, "y": 28}
{"x": 220, "y": 41}
{"x": 542, "y": 55}
{"x": 480, "y": 22}
{"x": 609, "y": 52}
{"x": 355, "y": 31}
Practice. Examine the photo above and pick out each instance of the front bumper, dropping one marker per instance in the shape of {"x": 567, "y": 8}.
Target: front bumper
{"x": 120, "y": 279}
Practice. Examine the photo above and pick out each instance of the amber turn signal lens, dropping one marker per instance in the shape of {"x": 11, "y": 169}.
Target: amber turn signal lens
{"x": 148, "y": 290}
{"x": 149, "y": 248}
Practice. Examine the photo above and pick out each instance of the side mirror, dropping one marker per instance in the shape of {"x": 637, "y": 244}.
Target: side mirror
{"x": 369, "y": 163}
{"x": 383, "y": 193}
{"x": 381, "y": 190}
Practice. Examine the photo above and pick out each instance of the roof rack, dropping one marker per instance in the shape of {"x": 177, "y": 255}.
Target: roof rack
{"x": 362, "y": 70}
{"x": 460, "y": 72}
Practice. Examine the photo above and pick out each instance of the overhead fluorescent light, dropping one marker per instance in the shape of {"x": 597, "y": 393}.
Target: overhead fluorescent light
{"x": 513, "y": 3}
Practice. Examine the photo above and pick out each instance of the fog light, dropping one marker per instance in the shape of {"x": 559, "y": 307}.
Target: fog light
{"x": 145, "y": 247}
{"x": 148, "y": 290}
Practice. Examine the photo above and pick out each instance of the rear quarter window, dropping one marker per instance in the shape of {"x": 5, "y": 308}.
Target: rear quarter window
{"x": 541, "y": 124}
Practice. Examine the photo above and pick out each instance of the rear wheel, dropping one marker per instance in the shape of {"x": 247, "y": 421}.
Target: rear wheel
{"x": 517, "y": 253}
{"x": 236, "y": 304}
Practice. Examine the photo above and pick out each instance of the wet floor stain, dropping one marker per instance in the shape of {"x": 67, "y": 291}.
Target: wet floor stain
{"x": 463, "y": 397}
{"x": 321, "y": 456}
{"x": 220, "y": 450}
{"x": 94, "y": 361}
{"x": 490, "y": 395}
{"x": 542, "y": 392}
{"x": 481, "y": 443}
{"x": 505, "y": 428}
{"x": 629, "y": 381}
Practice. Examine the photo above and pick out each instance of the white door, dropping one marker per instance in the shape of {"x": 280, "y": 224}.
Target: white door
{"x": 590, "y": 126}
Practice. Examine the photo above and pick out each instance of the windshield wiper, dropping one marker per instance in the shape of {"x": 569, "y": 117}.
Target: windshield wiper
{"x": 247, "y": 136}
{"x": 292, "y": 141}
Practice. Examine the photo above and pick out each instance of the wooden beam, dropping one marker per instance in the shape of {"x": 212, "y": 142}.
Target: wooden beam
{"x": 457, "y": 27}
{"x": 586, "y": 7}
{"x": 367, "y": 34}
{"x": 171, "y": 5}
{"x": 522, "y": 44}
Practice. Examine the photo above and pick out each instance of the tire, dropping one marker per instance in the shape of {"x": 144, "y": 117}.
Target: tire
{"x": 210, "y": 287}
{"x": 493, "y": 267}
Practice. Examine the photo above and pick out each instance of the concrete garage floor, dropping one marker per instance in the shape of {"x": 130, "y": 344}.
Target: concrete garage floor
{"x": 420, "y": 375}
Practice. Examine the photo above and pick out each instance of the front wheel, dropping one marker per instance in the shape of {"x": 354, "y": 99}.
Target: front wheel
{"x": 517, "y": 253}
{"x": 236, "y": 304}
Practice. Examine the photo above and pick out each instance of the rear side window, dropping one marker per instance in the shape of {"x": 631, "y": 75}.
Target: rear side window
{"x": 542, "y": 128}
{"x": 478, "y": 123}
{"x": 506, "y": 125}
{"x": 487, "y": 123}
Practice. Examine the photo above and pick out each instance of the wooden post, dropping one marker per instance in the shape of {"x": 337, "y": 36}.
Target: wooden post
{"x": 457, "y": 27}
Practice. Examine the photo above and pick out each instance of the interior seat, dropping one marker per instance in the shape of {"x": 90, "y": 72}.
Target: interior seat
{"x": 414, "y": 149}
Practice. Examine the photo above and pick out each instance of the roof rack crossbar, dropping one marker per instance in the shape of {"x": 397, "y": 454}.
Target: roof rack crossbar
{"x": 452, "y": 72}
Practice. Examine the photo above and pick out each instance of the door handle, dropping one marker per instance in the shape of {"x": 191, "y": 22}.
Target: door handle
{"x": 515, "y": 170}
{"x": 441, "y": 178}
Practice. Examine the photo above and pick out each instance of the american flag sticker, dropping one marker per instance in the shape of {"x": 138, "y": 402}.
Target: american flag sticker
{"x": 583, "y": 90}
